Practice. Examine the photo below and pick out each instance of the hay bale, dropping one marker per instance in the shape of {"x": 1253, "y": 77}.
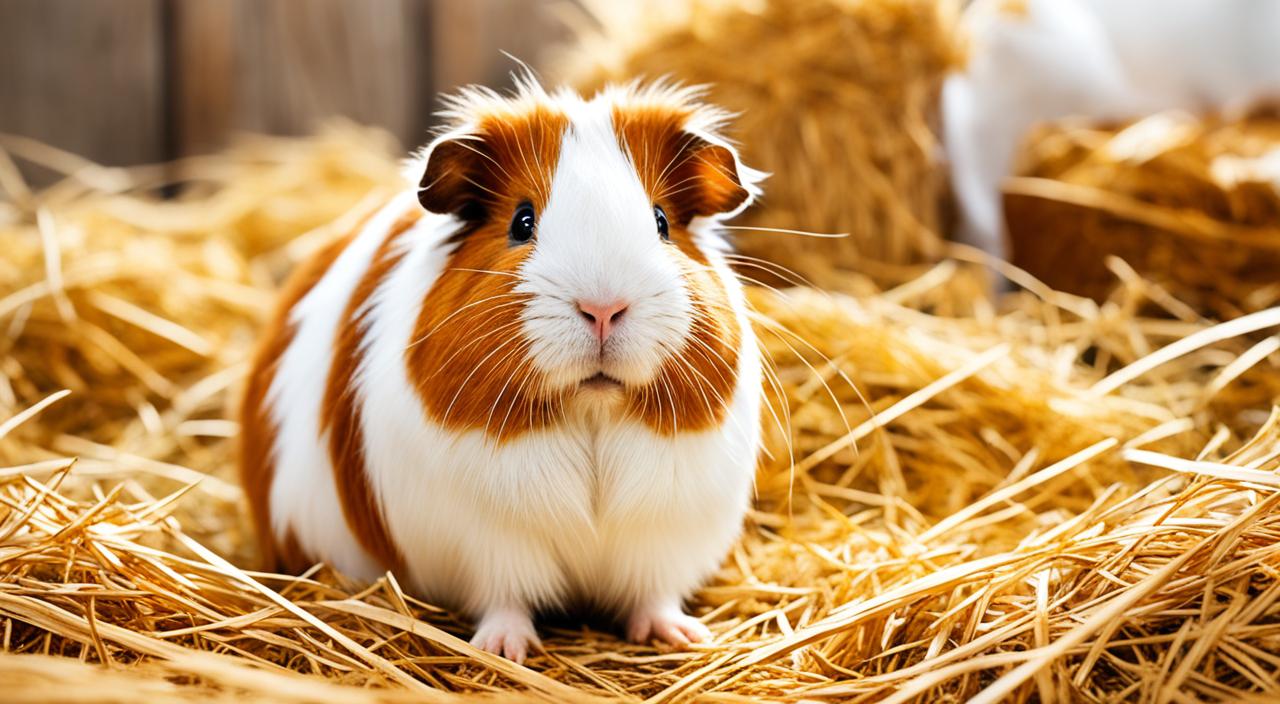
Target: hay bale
{"x": 967, "y": 509}
{"x": 838, "y": 99}
{"x": 1193, "y": 204}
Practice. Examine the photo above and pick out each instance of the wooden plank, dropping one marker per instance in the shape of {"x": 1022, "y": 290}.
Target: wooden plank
{"x": 469, "y": 38}
{"x": 202, "y": 76}
{"x": 283, "y": 67}
{"x": 85, "y": 76}
{"x": 298, "y": 62}
{"x": 130, "y": 81}
{"x": 421, "y": 27}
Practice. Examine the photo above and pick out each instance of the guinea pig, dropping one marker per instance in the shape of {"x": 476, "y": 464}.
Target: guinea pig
{"x": 529, "y": 380}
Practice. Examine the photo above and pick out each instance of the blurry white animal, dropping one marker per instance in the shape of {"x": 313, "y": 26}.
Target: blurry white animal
{"x": 1038, "y": 60}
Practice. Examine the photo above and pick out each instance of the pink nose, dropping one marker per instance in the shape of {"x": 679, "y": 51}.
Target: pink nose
{"x": 602, "y": 317}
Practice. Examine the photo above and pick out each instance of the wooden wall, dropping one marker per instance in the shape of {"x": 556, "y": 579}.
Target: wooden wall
{"x": 130, "y": 81}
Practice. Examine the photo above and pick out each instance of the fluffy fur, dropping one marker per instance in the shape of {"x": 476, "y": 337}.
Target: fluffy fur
{"x": 435, "y": 403}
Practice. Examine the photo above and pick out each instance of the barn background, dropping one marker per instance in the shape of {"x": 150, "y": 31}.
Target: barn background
{"x": 141, "y": 81}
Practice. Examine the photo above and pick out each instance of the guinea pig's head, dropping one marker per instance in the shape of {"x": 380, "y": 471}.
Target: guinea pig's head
{"x": 587, "y": 259}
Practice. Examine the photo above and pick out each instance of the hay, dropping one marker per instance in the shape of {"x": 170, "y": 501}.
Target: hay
{"x": 155, "y": 302}
{"x": 1191, "y": 203}
{"x": 1027, "y": 500}
{"x": 829, "y": 93}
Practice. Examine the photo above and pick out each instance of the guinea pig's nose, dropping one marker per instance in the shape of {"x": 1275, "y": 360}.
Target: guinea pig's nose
{"x": 602, "y": 317}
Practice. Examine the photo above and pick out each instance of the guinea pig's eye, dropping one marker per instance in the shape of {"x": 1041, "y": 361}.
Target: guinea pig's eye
{"x": 664, "y": 228}
{"x": 522, "y": 224}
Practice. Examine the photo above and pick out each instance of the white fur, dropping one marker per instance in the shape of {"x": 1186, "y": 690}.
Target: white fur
{"x": 303, "y": 495}
{"x": 1109, "y": 59}
{"x": 598, "y": 507}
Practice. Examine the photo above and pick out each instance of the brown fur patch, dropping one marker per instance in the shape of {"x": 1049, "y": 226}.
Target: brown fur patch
{"x": 693, "y": 389}
{"x": 468, "y": 358}
{"x": 688, "y": 177}
{"x": 257, "y": 429}
{"x": 511, "y": 158}
{"x": 685, "y": 174}
{"x": 340, "y": 416}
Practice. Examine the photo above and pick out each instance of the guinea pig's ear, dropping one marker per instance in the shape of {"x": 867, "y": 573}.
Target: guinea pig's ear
{"x": 709, "y": 179}
{"x": 450, "y": 177}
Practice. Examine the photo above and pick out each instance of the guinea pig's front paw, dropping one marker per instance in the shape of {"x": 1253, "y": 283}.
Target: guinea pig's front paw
{"x": 666, "y": 623}
{"x": 507, "y": 632}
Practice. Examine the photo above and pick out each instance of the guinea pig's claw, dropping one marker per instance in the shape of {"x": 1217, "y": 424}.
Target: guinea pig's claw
{"x": 670, "y": 626}
{"x": 506, "y": 632}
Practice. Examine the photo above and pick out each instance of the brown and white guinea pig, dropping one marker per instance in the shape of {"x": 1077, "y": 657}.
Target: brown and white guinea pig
{"x": 529, "y": 380}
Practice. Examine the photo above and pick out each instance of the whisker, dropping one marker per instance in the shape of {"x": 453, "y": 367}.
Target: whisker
{"x": 465, "y": 381}
{"x": 449, "y": 317}
{"x": 485, "y": 271}
{"x": 444, "y": 365}
{"x": 519, "y": 393}
{"x": 497, "y": 400}
{"x": 830, "y": 363}
{"x": 802, "y": 233}
{"x": 687, "y": 139}
{"x": 684, "y": 367}
{"x": 782, "y": 272}
{"x": 464, "y": 145}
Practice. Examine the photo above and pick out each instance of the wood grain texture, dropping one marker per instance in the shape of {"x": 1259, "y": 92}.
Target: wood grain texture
{"x": 469, "y": 38}
{"x": 283, "y": 67}
{"x": 202, "y": 78}
{"x": 85, "y": 76}
{"x": 131, "y": 81}
{"x": 297, "y": 63}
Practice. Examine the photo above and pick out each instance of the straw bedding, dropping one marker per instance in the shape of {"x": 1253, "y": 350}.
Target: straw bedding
{"x": 1043, "y": 497}
{"x": 1191, "y": 202}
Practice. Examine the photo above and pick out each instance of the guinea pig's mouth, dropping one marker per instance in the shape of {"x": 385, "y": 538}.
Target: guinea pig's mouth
{"x": 600, "y": 382}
